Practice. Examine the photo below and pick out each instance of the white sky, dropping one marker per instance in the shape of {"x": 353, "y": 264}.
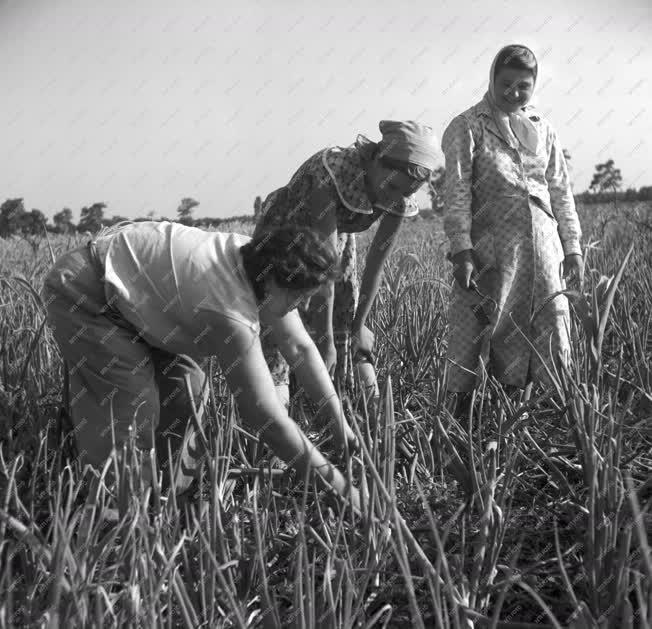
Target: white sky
{"x": 139, "y": 103}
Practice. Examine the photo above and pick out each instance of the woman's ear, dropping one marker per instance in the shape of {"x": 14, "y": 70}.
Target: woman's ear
{"x": 270, "y": 287}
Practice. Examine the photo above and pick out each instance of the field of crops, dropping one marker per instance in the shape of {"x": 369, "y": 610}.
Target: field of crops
{"x": 535, "y": 512}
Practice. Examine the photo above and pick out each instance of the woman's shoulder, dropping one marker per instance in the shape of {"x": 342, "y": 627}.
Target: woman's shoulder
{"x": 334, "y": 174}
{"x": 469, "y": 117}
{"x": 463, "y": 124}
{"x": 310, "y": 178}
{"x": 311, "y": 168}
{"x": 472, "y": 114}
{"x": 346, "y": 175}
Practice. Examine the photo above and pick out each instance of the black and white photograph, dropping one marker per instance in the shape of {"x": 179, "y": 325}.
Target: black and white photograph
{"x": 322, "y": 315}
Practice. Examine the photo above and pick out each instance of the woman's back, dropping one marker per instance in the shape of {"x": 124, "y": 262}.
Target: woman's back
{"x": 164, "y": 278}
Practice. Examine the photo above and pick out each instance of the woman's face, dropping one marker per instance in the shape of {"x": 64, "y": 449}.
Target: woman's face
{"x": 279, "y": 301}
{"x": 513, "y": 89}
{"x": 389, "y": 187}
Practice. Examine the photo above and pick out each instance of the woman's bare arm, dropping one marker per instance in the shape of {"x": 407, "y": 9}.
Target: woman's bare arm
{"x": 240, "y": 356}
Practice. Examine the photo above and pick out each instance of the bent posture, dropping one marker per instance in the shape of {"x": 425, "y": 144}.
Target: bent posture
{"x": 340, "y": 192}
{"x": 135, "y": 311}
{"x": 511, "y": 221}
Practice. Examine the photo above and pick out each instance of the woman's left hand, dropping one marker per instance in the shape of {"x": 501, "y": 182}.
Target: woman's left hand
{"x": 574, "y": 269}
{"x": 362, "y": 342}
{"x": 345, "y": 438}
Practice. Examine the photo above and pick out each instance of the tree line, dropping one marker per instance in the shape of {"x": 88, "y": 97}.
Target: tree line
{"x": 15, "y": 220}
{"x": 605, "y": 187}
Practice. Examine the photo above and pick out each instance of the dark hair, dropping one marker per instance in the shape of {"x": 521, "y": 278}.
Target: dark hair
{"x": 295, "y": 257}
{"x": 369, "y": 151}
{"x": 517, "y": 57}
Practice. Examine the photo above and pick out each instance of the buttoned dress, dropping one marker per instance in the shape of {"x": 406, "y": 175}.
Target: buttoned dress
{"x": 515, "y": 210}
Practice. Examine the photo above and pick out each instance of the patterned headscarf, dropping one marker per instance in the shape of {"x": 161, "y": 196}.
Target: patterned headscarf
{"x": 409, "y": 141}
{"x": 516, "y": 127}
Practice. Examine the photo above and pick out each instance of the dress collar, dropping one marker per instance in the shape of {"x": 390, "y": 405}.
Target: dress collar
{"x": 484, "y": 108}
{"x": 345, "y": 168}
{"x": 347, "y": 173}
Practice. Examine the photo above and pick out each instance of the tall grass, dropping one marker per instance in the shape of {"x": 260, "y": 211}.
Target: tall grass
{"x": 529, "y": 512}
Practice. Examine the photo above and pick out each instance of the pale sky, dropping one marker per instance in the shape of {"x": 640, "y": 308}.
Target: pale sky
{"x": 139, "y": 103}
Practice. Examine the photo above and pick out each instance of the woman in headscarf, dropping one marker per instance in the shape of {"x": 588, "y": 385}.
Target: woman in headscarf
{"x": 135, "y": 311}
{"x": 513, "y": 229}
{"x": 340, "y": 192}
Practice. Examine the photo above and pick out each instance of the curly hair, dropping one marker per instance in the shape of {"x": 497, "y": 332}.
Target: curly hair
{"x": 297, "y": 258}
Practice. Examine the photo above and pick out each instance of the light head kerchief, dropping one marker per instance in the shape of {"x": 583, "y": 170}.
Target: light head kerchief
{"x": 516, "y": 127}
{"x": 409, "y": 141}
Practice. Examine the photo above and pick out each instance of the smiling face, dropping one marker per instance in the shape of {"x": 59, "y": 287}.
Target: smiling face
{"x": 513, "y": 89}
{"x": 388, "y": 187}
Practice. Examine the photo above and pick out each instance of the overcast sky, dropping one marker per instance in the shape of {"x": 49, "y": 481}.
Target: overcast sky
{"x": 140, "y": 103}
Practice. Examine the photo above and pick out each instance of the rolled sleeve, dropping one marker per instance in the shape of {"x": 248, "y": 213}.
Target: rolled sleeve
{"x": 561, "y": 199}
{"x": 457, "y": 146}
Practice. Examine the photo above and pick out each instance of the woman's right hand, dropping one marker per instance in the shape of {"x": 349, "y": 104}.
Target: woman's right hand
{"x": 345, "y": 439}
{"x": 241, "y": 358}
{"x": 463, "y": 268}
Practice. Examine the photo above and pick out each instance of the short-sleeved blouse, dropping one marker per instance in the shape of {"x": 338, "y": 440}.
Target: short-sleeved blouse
{"x": 341, "y": 173}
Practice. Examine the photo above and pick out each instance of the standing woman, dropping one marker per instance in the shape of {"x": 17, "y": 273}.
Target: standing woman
{"x": 511, "y": 221}
{"x": 339, "y": 192}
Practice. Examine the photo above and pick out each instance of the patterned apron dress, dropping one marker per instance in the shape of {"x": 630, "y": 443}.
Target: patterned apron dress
{"x": 515, "y": 210}
{"x": 339, "y": 171}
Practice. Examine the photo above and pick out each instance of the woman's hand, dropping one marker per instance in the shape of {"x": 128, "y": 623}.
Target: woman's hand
{"x": 362, "y": 342}
{"x": 574, "y": 269}
{"x": 305, "y": 360}
{"x": 241, "y": 358}
{"x": 344, "y": 437}
{"x": 328, "y": 353}
{"x": 463, "y": 268}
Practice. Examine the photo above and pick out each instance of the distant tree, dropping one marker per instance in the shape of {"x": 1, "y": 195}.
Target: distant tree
{"x": 91, "y": 218}
{"x": 12, "y": 215}
{"x": 32, "y": 227}
{"x": 258, "y": 207}
{"x": 184, "y": 211}
{"x": 33, "y": 223}
{"x": 631, "y": 194}
{"x": 436, "y": 189}
{"x": 63, "y": 222}
{"x": 645, "y": 193}
{"x": 607, "y": 178}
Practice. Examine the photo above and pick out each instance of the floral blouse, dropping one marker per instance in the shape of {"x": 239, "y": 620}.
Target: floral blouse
{"x": 482, "y": 170}
{"x": 340, "y": 171}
